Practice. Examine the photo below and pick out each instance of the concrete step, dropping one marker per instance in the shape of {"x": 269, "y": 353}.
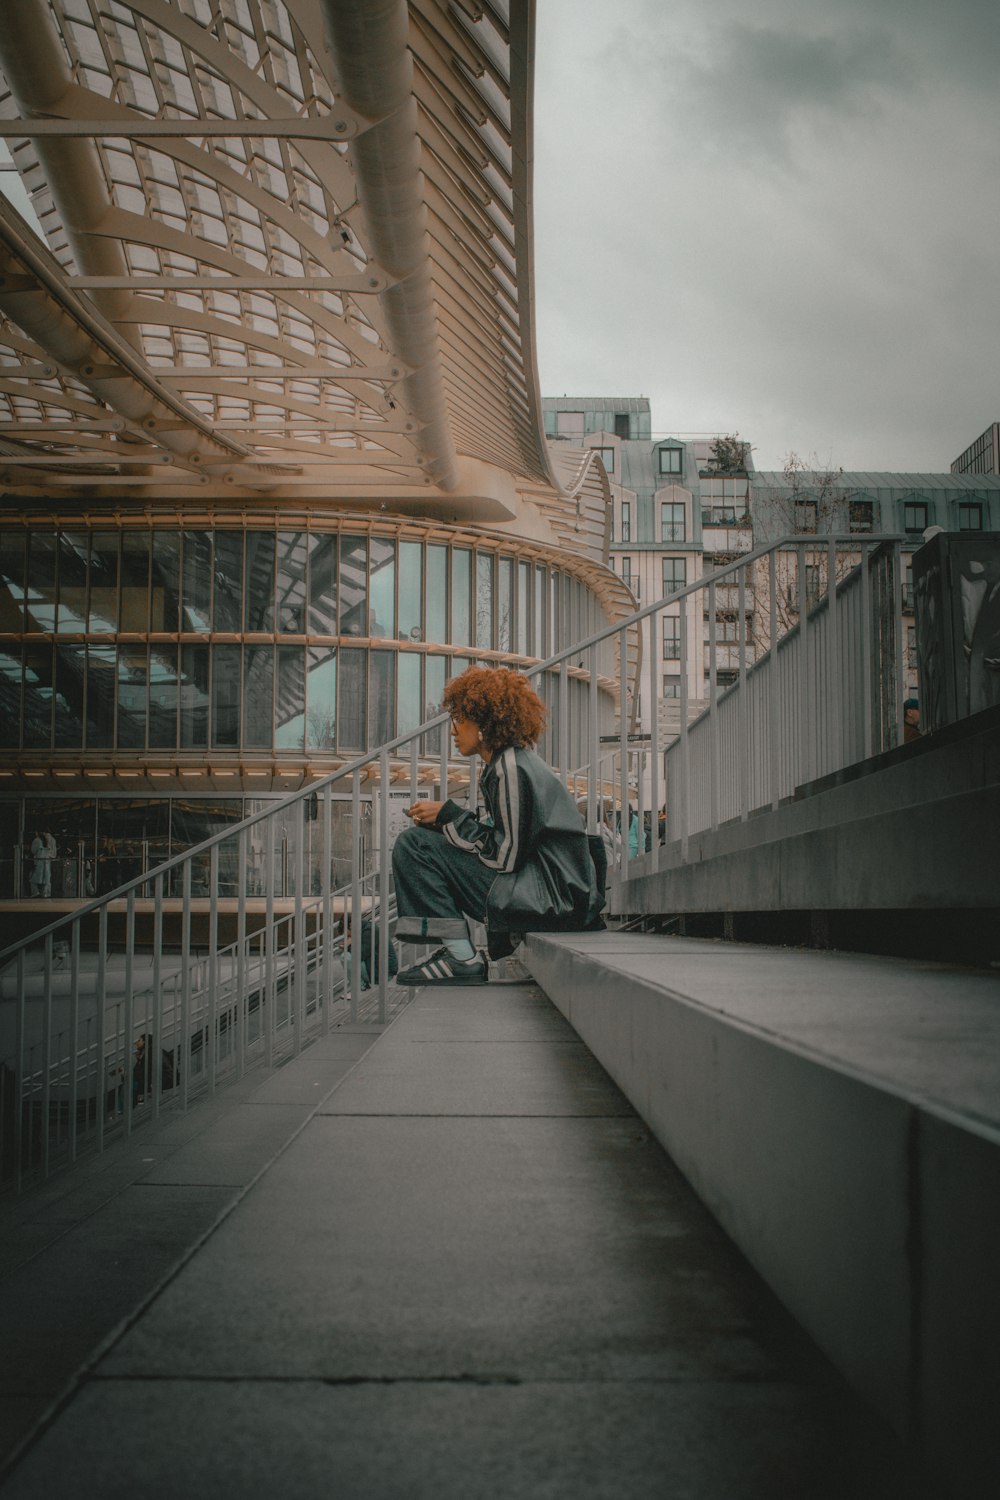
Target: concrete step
{"x": 839, "y": 1114}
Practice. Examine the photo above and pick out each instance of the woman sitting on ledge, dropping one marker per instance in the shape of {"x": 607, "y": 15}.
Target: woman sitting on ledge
{"x": 526, "y": 868}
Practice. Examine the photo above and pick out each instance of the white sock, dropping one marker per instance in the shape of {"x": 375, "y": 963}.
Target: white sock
{"x": 460, "y": 948}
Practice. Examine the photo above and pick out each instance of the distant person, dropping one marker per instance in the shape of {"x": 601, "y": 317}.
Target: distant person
{"x": 527, "y": 867}
{"x": 43, "y": 852}
{"x": 911, "y": 720}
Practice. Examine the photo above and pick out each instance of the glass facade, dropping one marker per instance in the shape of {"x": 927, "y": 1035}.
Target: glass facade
{"x": 257, "y": 640}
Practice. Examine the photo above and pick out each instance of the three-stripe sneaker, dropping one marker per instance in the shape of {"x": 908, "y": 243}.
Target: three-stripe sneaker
{"x": 444, "y": 968}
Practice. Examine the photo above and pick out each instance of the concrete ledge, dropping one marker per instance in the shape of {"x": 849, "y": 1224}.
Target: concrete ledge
{"x": 840, "y": 1116}
{"x": 901, "y": 833}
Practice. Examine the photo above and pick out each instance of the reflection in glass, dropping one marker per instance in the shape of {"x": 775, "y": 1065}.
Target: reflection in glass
{"x": 460, "y": 582}
{"x": 259, "y": 599}
{"x": 409, "y": 700}
{"x": 291, "y": 582}
{"x": 40, "y": 604}
{"x": 321, "y": 717}
{"x": 505, "y": 603}
{"x": 353, "y": 585}
{"x": 381, "y": 697}
{"x": 258, "y": 697}
{"x": 523, "y": 594}
{"x": 290, "y": 714}
{"x": 411, "y": 556}
{"x": 484, "y": 600}
{"x": 133, "y": 835}
{"x": 163, "y": 696}
{"x": 103, "y": 617}
{"x": 192, "y": 820}
{"x": 382, "y": 610}
{"x": 74, "y": 549}
{"x": 101, "y": 692}
{"x": 228, "y": 569}
{"x": 323, "y": 585}
{"x": 12, "y": 544}
{"x": 225, "y": 697}
{"x": 434, "y": 677}
{"x": 132, "y": 671}
{"x": 68, "y": 700}
{"x": 10, "y": 694}
{"x": 37, "y": 727}
{"x": 437, "y": 594}
{"x": 165, "y": 584}
{"x": 353, "y": 714}
{"x": 541, "y": 635}
{"x": 196, "y": 592}
{"x": 194, "y": 697}
{"x": 134, "y": 613}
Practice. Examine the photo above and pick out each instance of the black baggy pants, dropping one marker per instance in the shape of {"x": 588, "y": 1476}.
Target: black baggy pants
{"x": 434, "y": 879}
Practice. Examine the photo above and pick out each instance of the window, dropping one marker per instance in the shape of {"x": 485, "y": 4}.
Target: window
{"x": 671, "y": 687}
{"x": 627, "y": 576}
{"x": 671, "y": 640}
{"x": 915, "y": 516}
{"x": 671, "y": 460}
{"x": 672, "y": 521}
{"x": 911, "y": 645}
{"x": 607, "y": 457}
{"x": 674, "y": 573}
{"x": 718, "y": 515}
{"x": 861, "y": 515}
{"x": 970, "y": 516}
{"x": 805, "y": 515}
{"x": 621, "y": 424}
{"x": 569, "y": 424}
{"x": 727, "y": 629}
{"x": 626, "y": 521}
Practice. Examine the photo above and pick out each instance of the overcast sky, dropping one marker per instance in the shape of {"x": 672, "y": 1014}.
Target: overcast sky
{"x": 780, "y": 218}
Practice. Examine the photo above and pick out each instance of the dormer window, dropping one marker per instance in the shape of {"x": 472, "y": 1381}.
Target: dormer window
{"x": 671, "y": 460}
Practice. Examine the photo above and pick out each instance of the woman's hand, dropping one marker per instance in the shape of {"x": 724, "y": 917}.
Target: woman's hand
{"x": 424, "y": 814}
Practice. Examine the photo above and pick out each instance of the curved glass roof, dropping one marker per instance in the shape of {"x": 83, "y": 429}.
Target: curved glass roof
{"x": 240, "y": 267}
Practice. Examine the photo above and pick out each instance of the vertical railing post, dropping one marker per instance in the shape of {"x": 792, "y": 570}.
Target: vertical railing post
{"x": 655, "y": 630}
{"x": 835, "y": 687}
{"x": 713, "y": 711}
{"x": 774, "y": 702}
{"x": 102, "y": 1004}
{"x": 74, "y": 1034}
{"x": 299, "y": 948}
{"x": 744, "y": 711}
{"x": 267, "y": 993}
{"x": 564, "y": 755}
{"x": 594, "y": 728}
{"x": 242, "y": 998}
{"x": 383, "y": 888}
{"x": 156, "y": 1081}
{"x": 182, "y": 1047}
{"x": 356, "y": 917}
{"x": 867, "y": 676}
{"x": 129, "y": 1009}
{"x": 685, "y": 751}
{"x": 46, "y": 1053}
{"x": 899, "y": 644}
{"x": 22, "y": 1095}
{"x": 212, "y": 1017}
{"x": 326, "y": 889}
{"x": 623, "y": 799}
{"x": 805, "y": 718}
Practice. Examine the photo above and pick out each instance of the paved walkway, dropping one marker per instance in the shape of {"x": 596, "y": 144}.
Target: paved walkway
{"x": 458, "y": 1267}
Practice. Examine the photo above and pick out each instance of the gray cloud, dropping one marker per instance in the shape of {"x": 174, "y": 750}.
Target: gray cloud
{"x": 779, "y": 219}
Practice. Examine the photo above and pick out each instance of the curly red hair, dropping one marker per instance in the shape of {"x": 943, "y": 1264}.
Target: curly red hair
{"x": 503, "y": 706}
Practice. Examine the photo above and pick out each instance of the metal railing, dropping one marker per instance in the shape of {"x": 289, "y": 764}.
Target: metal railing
{"x": 167, "y": 989}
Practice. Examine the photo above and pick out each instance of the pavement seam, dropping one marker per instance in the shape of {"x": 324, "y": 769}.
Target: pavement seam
{"x": 85, "y": 1371}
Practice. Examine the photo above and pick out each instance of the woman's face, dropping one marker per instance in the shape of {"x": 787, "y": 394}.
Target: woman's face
{"x": 466, "y": 736}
